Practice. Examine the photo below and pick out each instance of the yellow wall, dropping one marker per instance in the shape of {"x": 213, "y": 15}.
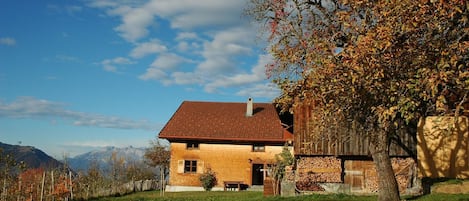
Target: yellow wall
{"x": 443, "y": 147}
{"x": 229, "y": 162}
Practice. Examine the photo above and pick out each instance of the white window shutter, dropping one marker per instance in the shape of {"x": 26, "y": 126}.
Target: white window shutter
{"x": 200, "y": 167}
{"x": 180, "y": 166}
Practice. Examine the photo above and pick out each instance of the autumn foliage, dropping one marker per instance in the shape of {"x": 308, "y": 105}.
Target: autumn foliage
{"x": 380, "y": 64}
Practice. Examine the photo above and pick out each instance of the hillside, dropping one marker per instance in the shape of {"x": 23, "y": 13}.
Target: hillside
{"x": 31, "y": 156}
{"x": 103, "y": 156}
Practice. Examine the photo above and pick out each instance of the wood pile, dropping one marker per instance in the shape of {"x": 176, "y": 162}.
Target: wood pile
{"x": 362, "y": 175}
{"x": 402, "y": 167}
{"x": 314, "y": 170}
{"x": 405, "y": 170}
{"x": 308, "y": 186}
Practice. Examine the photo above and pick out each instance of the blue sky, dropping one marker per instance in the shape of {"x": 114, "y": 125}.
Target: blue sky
{"x": 84, "y": 74}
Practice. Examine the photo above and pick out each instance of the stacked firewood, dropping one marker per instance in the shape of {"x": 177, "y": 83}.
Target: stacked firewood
{"x": 314, "y": 170}
{"x": 404, "y": 170}
{"x": 308, "y": 186}
{"x": 401, "y": 167}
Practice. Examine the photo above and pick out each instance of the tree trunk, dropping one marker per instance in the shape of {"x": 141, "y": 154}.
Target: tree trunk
{"x": 71, "y": 184}
{"x": 42, "y": 185}
{"x": 52, "y": 185}
{"x": 162, "y": 180}
{"x": 387, "y": 184}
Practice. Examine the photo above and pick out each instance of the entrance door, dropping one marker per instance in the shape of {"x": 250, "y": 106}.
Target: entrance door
{"x": 257, "y": 174}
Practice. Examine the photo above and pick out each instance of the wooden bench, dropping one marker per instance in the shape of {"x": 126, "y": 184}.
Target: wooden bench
{"x": 232, "y": 185}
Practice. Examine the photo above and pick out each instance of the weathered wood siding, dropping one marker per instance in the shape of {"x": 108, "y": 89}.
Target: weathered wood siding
{"x": 345, "y": 142}
{"x": 229, "y": 162}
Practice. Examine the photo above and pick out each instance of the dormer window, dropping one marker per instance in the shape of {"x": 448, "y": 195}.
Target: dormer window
{"x": 258, "y": 148}
{"x": 192, "y": 145}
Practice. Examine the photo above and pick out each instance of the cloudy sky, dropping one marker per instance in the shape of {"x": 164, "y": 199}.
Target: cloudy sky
{"x": 83, "y": 74}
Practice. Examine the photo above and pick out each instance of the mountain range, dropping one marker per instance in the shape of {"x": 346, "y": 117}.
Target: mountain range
{"x": 102, "y": 157}
{"x": 36, "y": 158}
{"x": 31, "y": 156}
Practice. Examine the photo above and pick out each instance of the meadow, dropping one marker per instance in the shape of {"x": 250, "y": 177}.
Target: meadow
{"x": 255, "y": 196}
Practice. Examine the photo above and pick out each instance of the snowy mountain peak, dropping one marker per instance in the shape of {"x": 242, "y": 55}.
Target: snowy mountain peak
{"x": 103, "y": 156}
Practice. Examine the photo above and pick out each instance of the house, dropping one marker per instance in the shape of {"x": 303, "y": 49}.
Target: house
{"x": 237, "y": 141}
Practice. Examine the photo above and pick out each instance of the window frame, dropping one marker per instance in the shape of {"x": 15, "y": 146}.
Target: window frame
{"x": 190, "y": 166}
{"x": 192, "y": 146}
{"x": 258, "y": 148}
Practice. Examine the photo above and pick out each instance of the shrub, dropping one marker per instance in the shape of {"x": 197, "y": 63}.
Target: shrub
{"x": 208, "y": 180}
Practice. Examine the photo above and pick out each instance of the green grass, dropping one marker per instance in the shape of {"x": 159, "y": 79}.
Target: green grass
{"x": 257, "y": 196}
{"x": 440, "y": 197}
{"x": 229, "y": 196}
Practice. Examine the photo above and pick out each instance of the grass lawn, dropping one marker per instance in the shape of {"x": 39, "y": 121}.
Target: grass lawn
{"x": 254, "y": 196}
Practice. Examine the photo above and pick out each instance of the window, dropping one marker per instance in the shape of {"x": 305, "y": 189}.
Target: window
{"x": 190, "y": 166}
{"x": 258, "y": 148}
{"x": 192, "y": 145}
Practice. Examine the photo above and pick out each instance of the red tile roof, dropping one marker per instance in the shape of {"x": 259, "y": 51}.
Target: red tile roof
{"x": 220, "y": 121}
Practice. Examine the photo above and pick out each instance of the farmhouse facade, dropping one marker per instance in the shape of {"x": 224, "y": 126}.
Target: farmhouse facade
{"x": 237, "y": 141}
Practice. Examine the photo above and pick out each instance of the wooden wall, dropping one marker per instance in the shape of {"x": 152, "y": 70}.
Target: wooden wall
{"x": 229, "y": 162}
{"x": 345, "y": 142}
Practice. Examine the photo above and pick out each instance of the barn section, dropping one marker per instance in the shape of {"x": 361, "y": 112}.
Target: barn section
{"x": 341, "y": 162}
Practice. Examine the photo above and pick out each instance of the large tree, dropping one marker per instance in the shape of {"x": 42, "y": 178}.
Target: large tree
{"x": 380, "y": 64}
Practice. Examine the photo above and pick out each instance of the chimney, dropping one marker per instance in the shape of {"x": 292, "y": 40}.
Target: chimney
{"x": 249, "y": 107}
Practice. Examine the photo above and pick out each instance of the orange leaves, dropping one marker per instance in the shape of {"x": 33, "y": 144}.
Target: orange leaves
{"x": 396, "y": 53}
{"x": 62, "y": 188}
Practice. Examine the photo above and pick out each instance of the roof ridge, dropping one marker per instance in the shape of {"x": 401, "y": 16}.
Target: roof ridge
{"x": 192, "y": 101}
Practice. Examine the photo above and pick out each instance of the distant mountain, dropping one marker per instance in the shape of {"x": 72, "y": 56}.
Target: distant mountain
{"x": 31, "y": 156}
{"x": 103, "y": 156}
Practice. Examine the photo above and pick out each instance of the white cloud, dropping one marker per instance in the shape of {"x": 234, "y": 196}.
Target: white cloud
{"x": 186, "y": 36}
{"x": 216, "y": 66}
{"x": 266, "y": 90}
{"x": 183, "y": 46}
{"x": 91, "y": 144}
{"x": 182, "y": 14}
{"x": 192, "y": 47}
{"x": 187, "y": 14}
{"x": 7, "y": 41}
{"x": 257, "y": 75}
{"x": 135, "y": 23}
{"x": 111, "y": 65}
{"x": 185, "y": 78}
{"x": 31, "y": 107}
{"x": 144, "y": 49}
{"x": 156, "y": 74}
{"x": 164, "y": 63}
{"x": 209, "y": 34}
{"x": 219, "y": 54}
{"x": 108, "y": 3}
{"x": 169, "y": 61}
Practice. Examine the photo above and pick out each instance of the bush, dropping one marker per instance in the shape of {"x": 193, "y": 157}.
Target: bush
{"x": 208, "y": 180}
